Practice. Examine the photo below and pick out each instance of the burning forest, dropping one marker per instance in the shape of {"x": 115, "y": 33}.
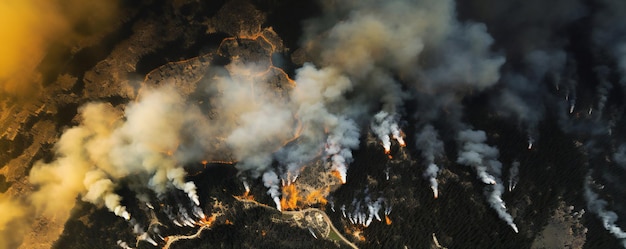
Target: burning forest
{"x": 186, "y": 124}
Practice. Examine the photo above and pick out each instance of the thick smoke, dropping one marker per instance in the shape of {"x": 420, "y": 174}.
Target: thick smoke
{"x": 319, "y": 98}
{"x": 342, "y": 140}
{"x": 12, "y": 223}
{"x": 354, "y": 76}
{"x": 271, "y": 182}
{"x": 29, "y": 29}
{"x": 256, "y": 121}
{"x": 431, "y": 147}
{"x": 106, "y": 147}
{"x": 361, "y": 61}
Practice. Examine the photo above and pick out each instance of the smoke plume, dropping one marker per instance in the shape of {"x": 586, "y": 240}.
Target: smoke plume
{"x": 483, "y": 159}
{"x": 431, "y": 147}
{"x": 107, "y": 147}
{"x": 361, "y": 64}
{"x": 12, "y": 223}
{"x": 30, "y": 28}
{"x": 599, "y": 207}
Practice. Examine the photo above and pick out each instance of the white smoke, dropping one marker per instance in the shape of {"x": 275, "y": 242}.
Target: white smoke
{"x": 427, "y": 141}
{"x": 342, "y": 140}
{"x": 384, "y": 124}
{"x": 363, "y": 212}
{"x": 513, "y": 175}
{"x": 599, "y": 207}
{"x": 123, "y": 244}
{"x": 270, "y": 180}
{"x": 482, "y": 158}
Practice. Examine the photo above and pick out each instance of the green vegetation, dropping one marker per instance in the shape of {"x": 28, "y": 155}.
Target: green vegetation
{"x": 334, "y": 236}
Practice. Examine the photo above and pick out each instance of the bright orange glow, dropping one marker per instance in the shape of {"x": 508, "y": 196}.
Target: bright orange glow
{"x": 247, "y": 196}
{"x": 336, "y": 174}
{"x": 228, "y": 222}
{"x": 295, "y": 198}
{"x": 357, "y": 232}
{"x": 206, "y": 221}
{"x": 289, "y": 200}
{"x": 317, "y": 196}
{"x": 388, "y": 220}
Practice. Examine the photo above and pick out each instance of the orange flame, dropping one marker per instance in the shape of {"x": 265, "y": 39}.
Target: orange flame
{"x": 247, "y": 196}
{"x": 317, "y": 196}
{"x": 357, "y": 232}
{"x": 388, "y": 220}
{"x": 206, "y": 221}
{"x": 336, "y": 174}
{"x": 294, "y": 198}
{"x": 289, "y": 200}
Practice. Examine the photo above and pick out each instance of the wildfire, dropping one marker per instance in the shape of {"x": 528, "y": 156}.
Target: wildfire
{"x": 388, "y": 220}
{"x": 294, "y": 198}
{"x": 289, "y": 200}
{"x": 357, "y": 232}
{"x": 247, "y": 196}
{"x": 337, "y": 174}
{"x": 206, "y": 221}
{"x": 399, "y": 136}
{"x": 317, "y": 196}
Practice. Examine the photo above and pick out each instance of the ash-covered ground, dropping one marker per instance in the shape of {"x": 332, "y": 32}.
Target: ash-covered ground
{"x": 313, "y": 124}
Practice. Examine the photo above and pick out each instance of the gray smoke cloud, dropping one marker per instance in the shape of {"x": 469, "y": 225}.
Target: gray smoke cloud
{"x": 106, "y": 147}
{"x": 608, "y": 33}
{"x": 361, "y": 61}
{"x": 529, "y": 33}
{"x": 524, "y": 95}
